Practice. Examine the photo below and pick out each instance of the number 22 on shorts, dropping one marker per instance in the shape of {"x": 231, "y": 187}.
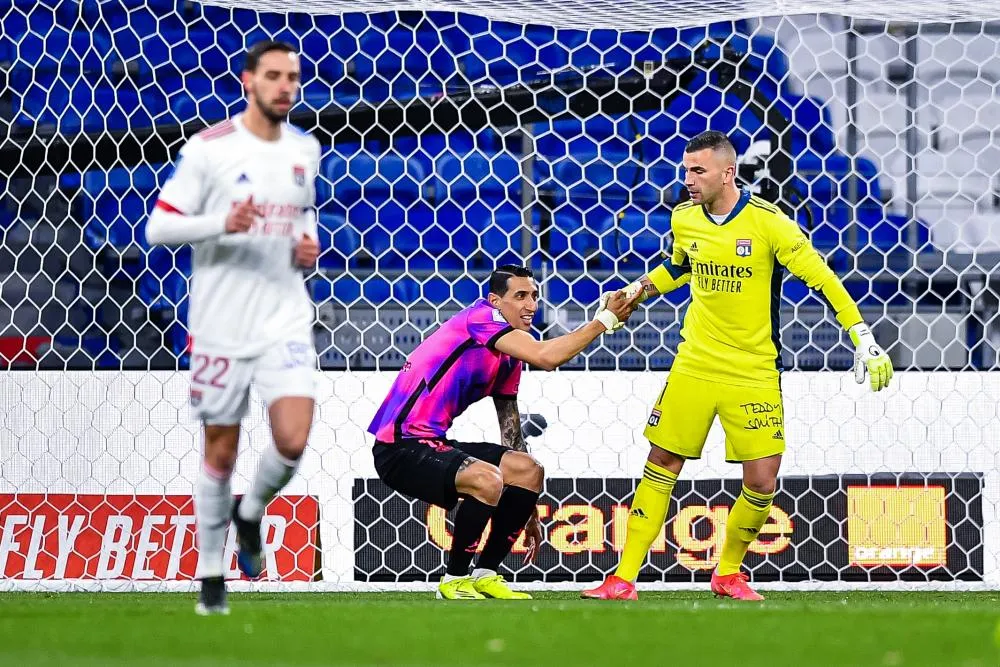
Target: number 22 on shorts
{"x": 209, "y": 371}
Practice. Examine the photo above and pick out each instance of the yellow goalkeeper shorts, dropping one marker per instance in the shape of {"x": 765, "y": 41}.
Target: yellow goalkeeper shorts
{"x": 752, "y": 417}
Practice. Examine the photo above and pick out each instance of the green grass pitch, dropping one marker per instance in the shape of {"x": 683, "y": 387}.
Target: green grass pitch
{"x": 664, "y": 628}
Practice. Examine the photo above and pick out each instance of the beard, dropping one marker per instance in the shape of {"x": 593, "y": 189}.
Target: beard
{"x": 269, "y": 112}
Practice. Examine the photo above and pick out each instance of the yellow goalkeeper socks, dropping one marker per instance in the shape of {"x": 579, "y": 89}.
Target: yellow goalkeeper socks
{"x": 750, "y": 511}
{"x": 645, "y": 518}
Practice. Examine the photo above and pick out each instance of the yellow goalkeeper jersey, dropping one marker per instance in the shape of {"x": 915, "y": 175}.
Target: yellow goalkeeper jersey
{"x": 731, "y": 330}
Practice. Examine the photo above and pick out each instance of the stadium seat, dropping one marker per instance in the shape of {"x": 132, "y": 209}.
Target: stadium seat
{"x": 875, "y": 229}
{"x": 324, "y": 63}
{"x": 378, "y": 197}
{"x": 611, "y": 51}
{"x": 824, "y": 179}
{"x": 164, "y": 283}
{"x": 337, "y": 239}
{"x": 56, "y": 42}
{"x": 636, "y": 231}
{"x": 689, "y": 114}
{"x": 477, "y": 179}
{"x": 201, "y": 98}
{"x": 812, "y": 127}
{"x": 348, "y": 289}
{"x": 559, "y": 290}
{"x": 412, "y": 59}
{"x": 163, "y": 287}
{"x": 116, "y": 204}
{"x": 502, "y": 53}
{"x": 479, "y": 193}
{"x": 761, "y": 60}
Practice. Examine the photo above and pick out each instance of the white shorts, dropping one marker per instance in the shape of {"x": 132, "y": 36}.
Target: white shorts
{"x": 220, "y": 386}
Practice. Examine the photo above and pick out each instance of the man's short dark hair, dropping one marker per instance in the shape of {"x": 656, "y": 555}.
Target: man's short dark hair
{"x": 713, "y": 139}
{"x": 257, "y": 51}
{"x": 500, "y": 276}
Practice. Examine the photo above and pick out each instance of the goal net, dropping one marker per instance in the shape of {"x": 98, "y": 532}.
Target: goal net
{"x": 459, "y": 135}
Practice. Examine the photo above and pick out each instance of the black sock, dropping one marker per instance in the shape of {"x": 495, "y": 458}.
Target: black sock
{"x": 470, "y": 522}
{"x": 512, "y": 512}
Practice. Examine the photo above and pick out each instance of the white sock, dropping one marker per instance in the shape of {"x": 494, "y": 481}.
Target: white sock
{"x": 213, "y": 503}
{"x": 451, "y": 577}
{"x": 481, "y": 572}
{"x": 272, "y": 476}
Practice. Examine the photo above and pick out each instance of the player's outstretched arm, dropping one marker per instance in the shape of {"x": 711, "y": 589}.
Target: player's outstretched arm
{"x": 662, "y": 280}
{"x": 799, "y": 256}
{"x": 551, "y": 354}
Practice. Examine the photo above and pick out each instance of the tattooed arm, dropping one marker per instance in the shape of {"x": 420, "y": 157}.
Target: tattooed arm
{"x": 511, "y": 436}
{"x": 510, "y": 423}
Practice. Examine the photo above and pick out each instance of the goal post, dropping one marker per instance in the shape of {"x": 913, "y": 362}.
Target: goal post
{"x": 459, "y": 134}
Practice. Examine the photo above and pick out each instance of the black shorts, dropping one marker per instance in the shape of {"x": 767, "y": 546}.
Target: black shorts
{"x": 425, "y": 468}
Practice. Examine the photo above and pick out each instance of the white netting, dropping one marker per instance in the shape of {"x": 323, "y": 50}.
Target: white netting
{"x": 453, "y": 142}
{"x": 650, "y": 14}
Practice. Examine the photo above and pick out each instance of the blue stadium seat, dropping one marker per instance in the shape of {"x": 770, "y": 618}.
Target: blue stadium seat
{"x": 690, "y": 114}
{"x": 347, "y": 289}
{"x": 163, "y": 287}
{"x": 596, "y": 50}
{"x": 761, "y": 54}
{"x": 377, "y": 56}
{"x": 378, "y": 197}
{"x": 201, "y": 98}
{"x": 397, "y": 60}
{"x": 378, "y": 65}
{"x": 477, "y": 180}
{"x": 391, "y": 190}
{"x": 338, "y": 240}
{"x": 333, "y": 173}
{"x": 116, "y": 204}
{"x": 637, "y": 231}
{"x": 54, "y": 41}
{"x": 613, "y": 51}
{"x": 890, "y": 232}
{"x": 824, "y": 179}
{"x": 164, "y": 282}
{"x": 571, "y": 245}
{"x": 812, "y": 126}
{"x": 559, "y": 290}
{"x": 503, "y": 53}
{"x": 874, "y": 229}
{"x": 47, "y": 98}
{"x": 324, "y": 65}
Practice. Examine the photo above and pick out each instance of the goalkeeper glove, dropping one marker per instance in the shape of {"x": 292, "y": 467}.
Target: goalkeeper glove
{"x": 631, "y": 290}
{"x": 868, "y": 356}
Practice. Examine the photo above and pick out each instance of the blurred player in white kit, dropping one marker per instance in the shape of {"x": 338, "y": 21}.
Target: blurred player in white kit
{"x": 242, "y": 194}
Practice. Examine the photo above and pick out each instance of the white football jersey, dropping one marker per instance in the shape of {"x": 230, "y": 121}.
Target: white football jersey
{"x": 246, "y": 291}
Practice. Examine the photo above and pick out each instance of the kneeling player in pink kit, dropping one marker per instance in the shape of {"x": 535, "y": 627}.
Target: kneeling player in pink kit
{"x": 475, "y": 354}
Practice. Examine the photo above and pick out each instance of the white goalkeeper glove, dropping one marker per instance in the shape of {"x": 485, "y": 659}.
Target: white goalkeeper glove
{"x": 868, "y": 356}
{"x": 631, "y": 290}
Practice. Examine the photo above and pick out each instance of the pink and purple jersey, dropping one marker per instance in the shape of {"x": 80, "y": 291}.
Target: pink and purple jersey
{"x": 453, "y": 368}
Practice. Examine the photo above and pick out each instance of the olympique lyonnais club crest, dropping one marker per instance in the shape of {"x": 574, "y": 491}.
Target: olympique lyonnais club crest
{"x": 299, "y": 172}
{"x": 743, "y": 247}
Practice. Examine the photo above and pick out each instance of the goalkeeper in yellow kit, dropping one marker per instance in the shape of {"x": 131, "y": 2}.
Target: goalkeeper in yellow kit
{"x": 731, "y": 246}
